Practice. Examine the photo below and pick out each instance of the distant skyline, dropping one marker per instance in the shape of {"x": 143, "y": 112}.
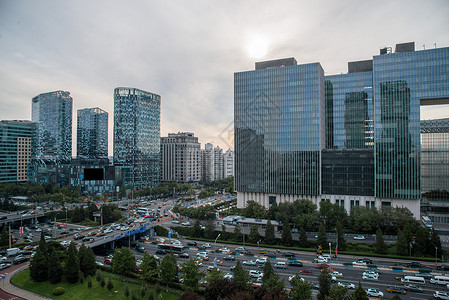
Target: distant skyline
{"x": 187, "y": 52}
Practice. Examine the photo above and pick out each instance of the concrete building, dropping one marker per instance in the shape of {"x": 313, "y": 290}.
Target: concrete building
{"x": 181, "y": 158}
{"x": 15, "y": 149}
{"x": 137, "y": 137}
{"x": 351, "y": 139}
{"x": 218, "y": 163}
{"x": 208, "y": 162}
{"x": 92, "y": 133}
{"x": 228, "y": 164}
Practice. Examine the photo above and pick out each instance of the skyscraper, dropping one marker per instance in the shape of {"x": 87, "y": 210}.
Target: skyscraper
{"x": 180, "y": 158}
{"x": 15, "y": 149}
{"x": 352, "y": 139}
{"x": 53, "y": 114}
{"x": 92, "y": 133}
{"x": 137, "y": 136}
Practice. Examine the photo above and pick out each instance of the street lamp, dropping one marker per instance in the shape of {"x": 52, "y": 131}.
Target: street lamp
{"x": 258, "y": 242}
{"x": 436, "y": 253}
{"x": 215, "y": 243}
{"x": 410, "y": 248}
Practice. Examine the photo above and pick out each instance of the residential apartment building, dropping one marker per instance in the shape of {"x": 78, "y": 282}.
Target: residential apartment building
{"x": 181, "y": 158}
{"x": 228, "y": 164}
{"x": 351, "y": 139}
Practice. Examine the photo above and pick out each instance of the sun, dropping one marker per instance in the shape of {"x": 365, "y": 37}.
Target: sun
{"x": 257, "y": 47}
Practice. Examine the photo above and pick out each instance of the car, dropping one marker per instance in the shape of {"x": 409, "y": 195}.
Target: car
{"x": 443, "y": 268}
{"x": 413, "y": 288}
{"x": 289, "y": 254}
{"x": 108, "y": 261}
{"x": 424, "y": 275}
{"x": 336, "y": 274}
{"x": 263, "y": 251}
{"x": 255, "y": 273}
{"x": 184, "y": 255}
{"x": 218, "y": 262}
{"x": 261, "y": 260}
{"x": 346, "y": 284}
{"x": 399, "y": 277}
{"x": 396, "y": 289}
{"x": 176, "y": 243}
{"x": 306, "y": 270}
{"x": 322, "y": 266}
{"x": 4, "y": 266}
{"x": 162, "y": 251}
{"x": 290, "y": 278}
{"x": 359, "y": 237}
{"x": 207, "y": 245}
{"x": 441, "y": 295}
{"x": 280, "y": 265}
{"x": 321, "y": 260}
{"x": 192, "y": 244}
{"x": 295, "y": 263}
{"x": 374, "y": 293}
{"x": 359, "y": 263}
{"x": 229, "y": 257}
{"x": 228, "y": 276}
{"x": 239, "y": 249}
{"x": 224, "y": 249}
{"x": 210, "y": 268}
{"x": 414, "y": 265}
{"x": 368, "y": 276}
{"x": 249, "y": 263}
{"x": 140, "y": 249}
{"x": 185, "y": 223}
{"x": 175, "y": 222}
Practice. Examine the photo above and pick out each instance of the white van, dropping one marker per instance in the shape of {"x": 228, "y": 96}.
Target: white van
{"x": 444, "y": 280}
{"x": 413, "y": 279}
{"x": 280, "y": 265}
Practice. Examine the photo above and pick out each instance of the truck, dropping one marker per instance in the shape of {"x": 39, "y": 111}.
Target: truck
{"x": 12, "y": 251}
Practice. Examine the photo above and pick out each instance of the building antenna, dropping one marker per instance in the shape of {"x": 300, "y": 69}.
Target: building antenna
{"x": 435, "y": 44}
{"x": 424, "y": 46}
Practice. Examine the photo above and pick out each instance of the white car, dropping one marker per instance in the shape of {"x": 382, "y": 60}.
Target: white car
{"x": 336, "y": 274}
{"x": 370, "y": 277}
{"x": 249, "y": 263}
{"x": 359, "y": 237}
{"x": 175, "y": 222}
{"x": 374, "y": 293}
{"x": 290, "y": 278}
{"x": 228, "y": 276}
{"x": 359, "y": 263}
{"x": 280, "y": 265}
{"x": 185, "y": 223}
{"x": 261, "y": 260}
{"x": 441, "y": 295}
{"x": 346, "y": 284}
{"x": 255, "y": 273}
{"x": 207, "y": 245}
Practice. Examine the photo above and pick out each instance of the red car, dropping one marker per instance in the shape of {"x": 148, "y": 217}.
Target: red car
{"x": 108, "y": 261}
{"x": 307, "y": 270}
{"x": 322, "y": 266}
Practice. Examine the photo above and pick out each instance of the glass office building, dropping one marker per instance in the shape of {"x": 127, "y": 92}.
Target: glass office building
{"x": 15, "y": 149}
{"x": 92, "y": 133}
{"x": 361, "y": 145}
{"x": 53, "y": 114}
{"x": 137, "y": 136}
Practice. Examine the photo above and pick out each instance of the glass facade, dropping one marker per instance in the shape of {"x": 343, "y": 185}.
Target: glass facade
{"x": 401, "y": 82}
{"x": 15, "y": 148}
{"x": 92, "y": 133}
{"x": 279, "y": 129}
{"x": 53, "y": 114}
{"x": 137, "y": 136}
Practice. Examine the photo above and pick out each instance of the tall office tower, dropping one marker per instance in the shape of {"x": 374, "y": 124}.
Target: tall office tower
{"x": 228, "y": 164}
{"x": 208, "y": 162}
{"x": 218, "y": 163}
{"x": 53, "y": 114}
{"x": 180, "y": 158}
{"x": 92, "y": 133}
{"x": 15, "y": 149}
{"x": 137, "y": 137}
{"x": 435, "y": 169}
{"x": 352, "y": 139}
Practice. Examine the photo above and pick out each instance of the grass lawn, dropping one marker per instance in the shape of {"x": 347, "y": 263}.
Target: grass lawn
{"x": 81, "y": 291}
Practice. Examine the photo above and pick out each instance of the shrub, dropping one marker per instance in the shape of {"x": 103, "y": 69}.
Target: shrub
{"x": 58, "y": 291}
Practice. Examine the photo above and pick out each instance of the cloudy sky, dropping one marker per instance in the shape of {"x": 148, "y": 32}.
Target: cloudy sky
{"x": 187, "y": 51}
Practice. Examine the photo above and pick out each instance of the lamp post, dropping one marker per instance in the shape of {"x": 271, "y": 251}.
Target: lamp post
{"x": 215, "y": 243}
{"x": 436, "y": 253}
{"x": 258, "y": 242}
{"x": 330, "y": 249}
{"x": 410, "y": 249}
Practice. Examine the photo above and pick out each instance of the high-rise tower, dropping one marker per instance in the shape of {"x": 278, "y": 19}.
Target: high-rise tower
{"x": 92, "y": 133}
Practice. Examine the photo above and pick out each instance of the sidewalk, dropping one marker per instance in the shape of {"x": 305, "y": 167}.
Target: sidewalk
{"x": 16, "y": 293}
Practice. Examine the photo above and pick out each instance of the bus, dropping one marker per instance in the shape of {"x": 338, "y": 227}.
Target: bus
{"x": 413, "y": 279}
{"x": 171, "y": 248}
{"x": 426, "y": 222}
{"x": 444, "y": 280}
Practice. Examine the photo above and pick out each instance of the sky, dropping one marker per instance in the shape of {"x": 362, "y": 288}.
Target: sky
{"x": 188, "y": 51}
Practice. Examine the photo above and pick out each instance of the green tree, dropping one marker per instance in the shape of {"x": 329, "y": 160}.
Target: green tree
{"x": 237, "y": 234}
{"x": 197, "y": 232}
{"x": 54, "y": 268}
{"x": 124, "y": 261}
{"x": 126, "y": 291}
{"x": 215, "y": 274}
{"x": 89, "y": 283}
{"x": 191, "y": 274}
{"x": 322, "y": 236}
{"x": 241, "y": 276}
{"x": 402, "y": 247}
{"x": 4, "y": 237}
{"x": 286, "y": 238}
{"x": 89, "y": 265}
{"x": 270, "y": 239}
{"x": 149, "y": 268}
{"x": 267, "y": 271}
{"x": 337, "y": 292}
{"x": 142, "y": 292}
{"x": 435, "y": 242}
{"x": 359, "y": 293}
{"x": 221, "y": 289}
{"x": 303, "y": 242}
{"x": 301, "y": 290}
{"x": 254, "y": 235}
{"x": 39, "y": 266}
{"x": 43, "y": 245}
{"x": 381, "y": 247}
{"x": 209, "y": 232}
{"x": 254, "y": 210}
{"x": 324, "y": 280}
{"x": 168, "y": 269}
{"x": 110, "y": 286}
{"x": 340, "y": 237}
{"x": 72, "y": 267}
